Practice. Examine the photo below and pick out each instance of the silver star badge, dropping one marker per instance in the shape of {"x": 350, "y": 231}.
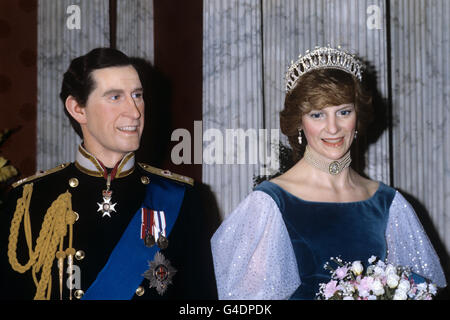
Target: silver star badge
{"x": 106, "y": 207}
{"x": 160, "y": 273}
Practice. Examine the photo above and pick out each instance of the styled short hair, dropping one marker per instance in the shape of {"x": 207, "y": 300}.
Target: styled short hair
{"x": 319, "y": 89}
{"x": 78, "y": 82}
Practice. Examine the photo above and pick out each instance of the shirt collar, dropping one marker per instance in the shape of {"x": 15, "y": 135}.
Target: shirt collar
{"x": 88, "y": 164}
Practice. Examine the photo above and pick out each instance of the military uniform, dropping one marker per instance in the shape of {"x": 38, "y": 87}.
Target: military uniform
{"x": 98, "y": 229}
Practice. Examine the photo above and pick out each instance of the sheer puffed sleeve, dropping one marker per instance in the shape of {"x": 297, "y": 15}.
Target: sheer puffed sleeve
{"x": 253, "y": 254}
{"x": 408, "y": 244}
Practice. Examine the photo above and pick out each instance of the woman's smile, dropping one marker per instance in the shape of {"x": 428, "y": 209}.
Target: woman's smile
{"x": 335, "y": 142}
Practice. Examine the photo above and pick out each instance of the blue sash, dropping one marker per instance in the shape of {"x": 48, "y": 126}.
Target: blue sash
{"x": 122, "y": 274}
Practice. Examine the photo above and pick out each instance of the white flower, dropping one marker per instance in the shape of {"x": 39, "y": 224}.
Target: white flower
{"x": 422, "y": 286}
{"x": 378, "y": 271}
{"x": 392, "y": 280}
{"x": 372, "y": 259}
{"x": 363, "y": 293}
{"x": 400, "y": 295}
{"x": 432, "y": 288}
{"x": 370, "y": 269}
{"x": 390, "y": 269}
{"x": 404, "y": 285}
{"x": 357, "y": 267}
{"x": 348, "y": 298}
{"x": 371, "y": 297}
{"x": 347, "y": 288}
{"x": 377, "y": 287}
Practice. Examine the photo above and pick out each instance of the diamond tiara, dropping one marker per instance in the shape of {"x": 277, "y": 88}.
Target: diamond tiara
{"x": 323, "y": 58}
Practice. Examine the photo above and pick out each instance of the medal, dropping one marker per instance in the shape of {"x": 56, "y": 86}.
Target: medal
{"x": 160, "y": 229}
{"x": 149, "y": 240}
{"x": 162, "y": 242}
{"x": 153, "y": 228}
{"x": 160, "y": 273}
{"x": 106, "y": 207}
{"x": 147, "y": 227}
{"x": 90, "y": 165}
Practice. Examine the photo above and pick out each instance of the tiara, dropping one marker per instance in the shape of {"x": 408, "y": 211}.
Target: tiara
{"x": 323, "y": 58}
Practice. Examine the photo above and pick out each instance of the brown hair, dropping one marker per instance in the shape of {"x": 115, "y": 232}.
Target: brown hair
{"x": 78, "y": 81}
{"x": 319, "y": 89}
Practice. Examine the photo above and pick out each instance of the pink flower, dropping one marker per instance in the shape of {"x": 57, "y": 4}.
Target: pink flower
{"x": 341, "y": 272}
{"x": 330, "y": 289}
{"x": 413, "y": 290}
{"x": 366, "y": 283}
{"x": 365, "y": 286}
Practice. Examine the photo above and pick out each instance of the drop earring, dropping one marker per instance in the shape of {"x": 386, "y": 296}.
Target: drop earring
{"x": 300, "y": 140}
{"x": 356, "y": 134}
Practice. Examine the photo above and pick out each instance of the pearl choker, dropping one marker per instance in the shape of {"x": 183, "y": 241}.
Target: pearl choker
{"x": 334, "y": 167}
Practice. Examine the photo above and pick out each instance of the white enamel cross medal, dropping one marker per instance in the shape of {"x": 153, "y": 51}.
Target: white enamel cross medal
{"x": 106, "y": 207}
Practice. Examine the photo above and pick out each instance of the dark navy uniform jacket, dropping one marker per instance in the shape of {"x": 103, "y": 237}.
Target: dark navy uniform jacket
{"x": 188, "y": 250}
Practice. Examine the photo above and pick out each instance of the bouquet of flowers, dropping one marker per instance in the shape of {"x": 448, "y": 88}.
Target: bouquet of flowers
{"x": 380, "y": 281}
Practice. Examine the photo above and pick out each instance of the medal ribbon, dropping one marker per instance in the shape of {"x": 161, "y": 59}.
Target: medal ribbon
{"x": 123, "y": 271}
{"x": 113, "y": 171}
{"x": 107, "y": 193}
{"x": 147, "y": 222}
{"x": 160, "y": 224}
{"x": 153, "y": 222}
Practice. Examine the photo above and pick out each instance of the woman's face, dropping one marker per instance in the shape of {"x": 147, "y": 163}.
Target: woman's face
{"x": 330, "y": 131}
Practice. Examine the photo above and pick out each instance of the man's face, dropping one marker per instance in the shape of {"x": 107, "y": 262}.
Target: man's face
{"x": 114, "y": 114}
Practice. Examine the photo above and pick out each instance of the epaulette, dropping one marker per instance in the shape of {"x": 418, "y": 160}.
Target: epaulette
{"x": 40, "y": 174}
{"x": 167, "y": 174}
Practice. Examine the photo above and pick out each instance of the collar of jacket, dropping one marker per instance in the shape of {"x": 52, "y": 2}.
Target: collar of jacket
{"x": 90, "y": 165}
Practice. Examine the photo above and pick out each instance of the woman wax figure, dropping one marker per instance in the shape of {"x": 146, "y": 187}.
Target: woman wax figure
{"x": 275, "y": 243}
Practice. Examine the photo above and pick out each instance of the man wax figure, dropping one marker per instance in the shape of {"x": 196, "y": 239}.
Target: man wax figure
{"x": 105, "y": 227}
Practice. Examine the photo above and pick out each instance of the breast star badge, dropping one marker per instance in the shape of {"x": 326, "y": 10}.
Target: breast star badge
{"x": 160, "y": 273}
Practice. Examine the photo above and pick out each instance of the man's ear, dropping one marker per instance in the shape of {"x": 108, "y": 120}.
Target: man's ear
{"x": 76, "y": 110}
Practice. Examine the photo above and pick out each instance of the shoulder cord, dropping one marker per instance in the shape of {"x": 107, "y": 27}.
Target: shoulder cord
{"x": 53, "y": 230}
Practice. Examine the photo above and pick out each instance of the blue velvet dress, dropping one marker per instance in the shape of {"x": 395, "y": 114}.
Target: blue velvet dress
{"x": 321, "y": 230}
{"x": 273, "y": 246}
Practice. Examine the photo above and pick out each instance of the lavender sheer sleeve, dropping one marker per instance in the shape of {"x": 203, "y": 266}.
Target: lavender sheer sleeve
{"x": 251, "y": 249}
{"x": 408, "y": 244}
